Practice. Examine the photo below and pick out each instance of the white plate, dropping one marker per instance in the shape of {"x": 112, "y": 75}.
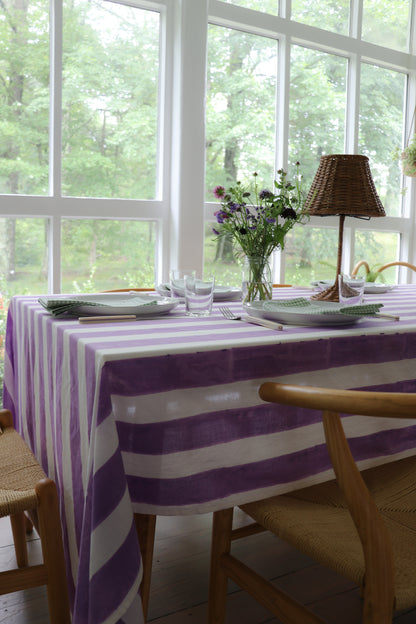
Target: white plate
{"x": 375, "y": 289}
{"x": 305, "y": 316}
{"x": 370, "y": 288}
{"x": 123, "y": 303}
{"x": 221, "y": 293}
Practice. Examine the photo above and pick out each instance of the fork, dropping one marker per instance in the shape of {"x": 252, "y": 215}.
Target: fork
{"x": 228, "y": 314}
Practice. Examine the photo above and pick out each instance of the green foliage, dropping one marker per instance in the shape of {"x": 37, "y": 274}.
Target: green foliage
{"x": 258, "y": 221}
{"x": 407, "y": 157}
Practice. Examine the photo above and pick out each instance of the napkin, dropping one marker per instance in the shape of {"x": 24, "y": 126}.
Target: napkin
{"x": 57, "y": 307}
{"x": 323, "y": 307}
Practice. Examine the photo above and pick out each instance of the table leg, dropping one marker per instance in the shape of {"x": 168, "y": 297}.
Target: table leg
{"x": 145, "y": 527}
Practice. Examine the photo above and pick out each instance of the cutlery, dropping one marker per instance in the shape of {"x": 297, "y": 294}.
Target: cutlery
{"x": 228, "y": 314}
{"x": 107, "y": 319}
{"x": 392, "y": 317}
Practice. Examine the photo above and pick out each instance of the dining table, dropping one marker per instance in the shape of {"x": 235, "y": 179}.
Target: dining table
{"x": 161, "y": 416}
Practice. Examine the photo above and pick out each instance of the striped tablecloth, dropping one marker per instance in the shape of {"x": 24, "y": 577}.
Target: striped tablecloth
{"x": 162, "y": 416}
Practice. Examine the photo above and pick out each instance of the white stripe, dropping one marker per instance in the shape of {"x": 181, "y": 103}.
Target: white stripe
{"x": 20, "y": 334}
{"x": 109, "y": 536}
{"x": 106, "y": 442}
{"x": 187, "y": 402}
{"x": 36, "y": 380}
{"x": 47, "y": 418}
{"x": 83, "y": 413}
{"x": 65, "y": 433}
{"x": 134, "y": 615}
{"x": 9, "y": 380}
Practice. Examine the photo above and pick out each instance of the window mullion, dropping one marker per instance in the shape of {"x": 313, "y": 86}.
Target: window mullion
{"x": 55, "y": 143}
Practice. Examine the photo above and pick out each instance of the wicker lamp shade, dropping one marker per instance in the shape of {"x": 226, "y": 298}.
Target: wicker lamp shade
{"x": 343, "y": 186}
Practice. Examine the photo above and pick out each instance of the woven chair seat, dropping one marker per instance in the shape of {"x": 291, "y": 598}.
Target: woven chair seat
{"x": 24, "y": 487}
{"x": 317, "y": 521}
{"x": 19, "y": 475}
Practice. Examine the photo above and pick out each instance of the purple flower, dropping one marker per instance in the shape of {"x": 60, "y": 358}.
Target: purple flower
{"x": 270, "y": 220}
{"x": 220, "y": 215}
{"x": 289, "y": 213}
{"x": 265, "y": 194}
{"x": 219, "y": 192}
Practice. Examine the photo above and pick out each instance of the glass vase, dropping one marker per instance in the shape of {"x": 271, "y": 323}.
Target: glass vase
{"x": 257, "y": 278}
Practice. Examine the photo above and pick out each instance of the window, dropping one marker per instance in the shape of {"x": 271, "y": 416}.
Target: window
{"x": 335, "y": 94}
{"x": 119, "y": 118}
{"x": 109, "y": 100}
{"x": 83, "y": 134}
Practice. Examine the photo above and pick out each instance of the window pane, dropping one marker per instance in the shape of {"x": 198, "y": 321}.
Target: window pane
{"x": 266, "y": 6}
{"x": 24, "y": 93}
{"x": 98, "y": 254}
{"x": 241, "y": 108}
{"x": 220, "y": 261}
{"x": 317, "y": 108}
{"x": 110, "y": 100}
{"x": 311, "y": 254}
{"x": 378, "y": 248}
{"x": 386, "y": 23}
{"x": 24, "y": 257}
{"x": 328, "y": 14}
{"x": 380, "y": 130}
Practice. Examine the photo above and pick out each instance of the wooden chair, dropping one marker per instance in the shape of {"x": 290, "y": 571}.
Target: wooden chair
{"x": 380, "y": 269}
{"x": 364, "y": 527}
{"x": 25, "y": 487}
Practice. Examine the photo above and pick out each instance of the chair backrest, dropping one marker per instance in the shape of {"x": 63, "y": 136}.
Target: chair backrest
{"x": 365, "y": 264}
{"x": 373, "y": 534}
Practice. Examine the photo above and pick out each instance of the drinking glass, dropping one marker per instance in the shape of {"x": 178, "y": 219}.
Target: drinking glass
{"x": 199, "y": 293}
{"x": 351, "y": 290}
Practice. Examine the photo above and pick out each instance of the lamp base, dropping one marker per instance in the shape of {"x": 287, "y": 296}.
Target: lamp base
{"x": 330, "y": 294}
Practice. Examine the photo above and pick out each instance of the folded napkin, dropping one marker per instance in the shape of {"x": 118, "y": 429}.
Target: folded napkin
{"x": 57, "y": 307}
{"x": 302, "y": 305}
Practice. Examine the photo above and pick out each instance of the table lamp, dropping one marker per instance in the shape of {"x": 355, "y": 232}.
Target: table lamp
{"x": 343, "y": 186}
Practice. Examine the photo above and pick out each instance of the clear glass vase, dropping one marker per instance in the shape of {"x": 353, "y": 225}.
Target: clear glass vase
{"x": 257, "y": 278}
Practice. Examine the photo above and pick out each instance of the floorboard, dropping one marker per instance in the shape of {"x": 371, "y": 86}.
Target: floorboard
{"x": 180, "y": 579}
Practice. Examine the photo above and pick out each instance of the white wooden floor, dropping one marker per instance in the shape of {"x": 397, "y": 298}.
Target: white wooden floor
{"x": 180, "y": 579}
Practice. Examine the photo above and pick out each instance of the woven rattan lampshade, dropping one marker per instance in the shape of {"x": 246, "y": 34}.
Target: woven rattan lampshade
{"x": 343, "y": 186}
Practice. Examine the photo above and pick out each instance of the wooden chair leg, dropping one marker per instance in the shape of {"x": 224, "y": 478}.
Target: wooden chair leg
{"x": 53, "y": 552}
{"x": 145, "y": 527}
{"x": 28, "y": 525}
{"x": 18, "y": 525}
{"x": 221, "y": 543}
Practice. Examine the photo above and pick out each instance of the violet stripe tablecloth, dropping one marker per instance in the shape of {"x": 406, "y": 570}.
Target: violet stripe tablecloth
{"x": 162, "y": 416}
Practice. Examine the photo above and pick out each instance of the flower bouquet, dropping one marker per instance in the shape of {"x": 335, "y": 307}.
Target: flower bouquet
{"x": 258, "y": 221}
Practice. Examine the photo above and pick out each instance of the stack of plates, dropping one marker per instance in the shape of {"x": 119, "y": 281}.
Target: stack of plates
{"x": 108, "y": 304}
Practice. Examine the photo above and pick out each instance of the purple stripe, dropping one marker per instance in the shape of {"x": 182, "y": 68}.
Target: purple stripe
{"x": 222, "y": 482}
{"x": 186, "y": 370}
{"x": 98, "y": 598}
{"x": 204, "y": 430}
{"x": 109, "y": 488}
